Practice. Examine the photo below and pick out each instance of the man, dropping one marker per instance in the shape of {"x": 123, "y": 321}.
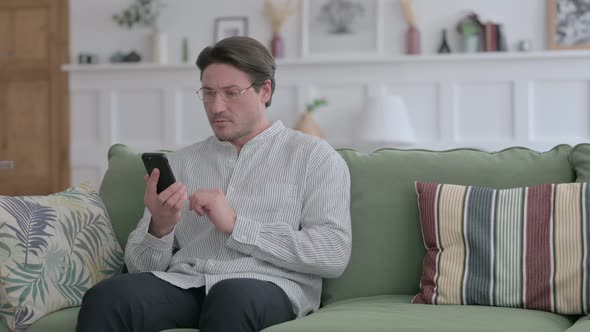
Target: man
{"x": 259, "y": 215}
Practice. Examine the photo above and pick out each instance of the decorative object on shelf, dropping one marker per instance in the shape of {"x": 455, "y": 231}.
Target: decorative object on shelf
{"x": 471, "y": 29}
{"x": 277, "y": 18}
{"x": 385, "y": 120}
{"x": 492, "y": 37}
{"x": 525, "y": 45}
{"x": 444, "y": 45}
{"x": 185, "y": 50}
{"x": 230, "y": 26}
{"x": 277, "y": 46}
{"x": 119, "y": 57}
{"x": 307, "y": 123}
{"x": 502, "y": 43}
{"x": 159, "y": 47}
{"x": 341, "y": 27}
{"x": 146, "y": 13}
{"x": 412, "y": 33}
{"x": 87, "y": 59}
{"x": 133, "y": 56}
{"x": 569, "y": 24}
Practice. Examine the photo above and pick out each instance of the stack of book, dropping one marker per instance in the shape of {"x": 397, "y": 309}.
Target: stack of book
{"x": 493, "y": 37}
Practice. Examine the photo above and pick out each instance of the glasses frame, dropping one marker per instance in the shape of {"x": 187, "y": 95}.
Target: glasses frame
{"x": 223, "y": 95}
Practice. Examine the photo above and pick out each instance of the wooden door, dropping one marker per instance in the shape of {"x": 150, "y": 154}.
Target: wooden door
{"x": 34, "y": 107}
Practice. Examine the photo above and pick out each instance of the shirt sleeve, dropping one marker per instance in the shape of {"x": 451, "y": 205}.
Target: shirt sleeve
{"x": 322, "y": 245}
{"x": 145, "y": 252}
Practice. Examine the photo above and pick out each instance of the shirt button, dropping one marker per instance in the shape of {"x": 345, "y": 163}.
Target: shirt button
{"x": 231, "y": 160}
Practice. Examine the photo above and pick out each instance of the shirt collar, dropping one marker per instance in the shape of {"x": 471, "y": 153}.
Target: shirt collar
{"x": 275, "y": 128}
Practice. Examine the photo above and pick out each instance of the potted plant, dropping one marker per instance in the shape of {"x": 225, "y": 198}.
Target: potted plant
{"x": 146, "y": 13}
{"x": 307, "y": 124}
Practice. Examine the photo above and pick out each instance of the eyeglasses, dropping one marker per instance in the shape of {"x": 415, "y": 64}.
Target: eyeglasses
{"x": 230, "y": 94}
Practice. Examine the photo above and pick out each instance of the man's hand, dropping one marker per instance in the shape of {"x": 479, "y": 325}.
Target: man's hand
{"x": 165, "y": 207}
{"x": 214, "y": 204}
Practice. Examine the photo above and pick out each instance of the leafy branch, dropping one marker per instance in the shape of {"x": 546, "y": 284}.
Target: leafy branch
{"x": 141, "y": 12}
{"x": 315, "y": 104}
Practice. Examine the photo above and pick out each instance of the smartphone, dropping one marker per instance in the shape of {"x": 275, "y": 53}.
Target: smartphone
{"x": 158, "y": 160}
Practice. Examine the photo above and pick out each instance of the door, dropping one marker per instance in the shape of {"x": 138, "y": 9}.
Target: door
{"x": 34, "y": 111}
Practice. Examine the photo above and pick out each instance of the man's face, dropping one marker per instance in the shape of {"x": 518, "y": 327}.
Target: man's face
{"x": 235, "y": 115}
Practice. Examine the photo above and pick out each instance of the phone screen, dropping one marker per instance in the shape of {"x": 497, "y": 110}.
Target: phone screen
{"x": 158, "y": 160}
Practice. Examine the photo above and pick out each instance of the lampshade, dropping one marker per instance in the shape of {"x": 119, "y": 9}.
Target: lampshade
{"x": 385, "y": 119}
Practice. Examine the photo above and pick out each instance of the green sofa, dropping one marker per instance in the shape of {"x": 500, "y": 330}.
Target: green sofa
{"x": 375, "y": 291}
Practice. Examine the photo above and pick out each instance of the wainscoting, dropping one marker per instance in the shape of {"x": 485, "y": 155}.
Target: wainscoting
{"x": 487, "y": 101}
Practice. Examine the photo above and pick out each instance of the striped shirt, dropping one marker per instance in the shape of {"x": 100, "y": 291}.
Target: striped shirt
{"x": 291, "y": 194}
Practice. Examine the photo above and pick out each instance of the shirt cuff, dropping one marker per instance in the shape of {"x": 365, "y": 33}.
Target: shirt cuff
{"x": 164, "y": 243}
{"x": 244, "y": 236}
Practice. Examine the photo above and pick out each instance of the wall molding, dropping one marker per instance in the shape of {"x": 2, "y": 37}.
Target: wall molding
{"x": 488, "y": 101}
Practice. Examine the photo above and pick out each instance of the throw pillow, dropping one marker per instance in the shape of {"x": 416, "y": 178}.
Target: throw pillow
{"x": 522, "y": 247}
{"x": 52, "y": 250}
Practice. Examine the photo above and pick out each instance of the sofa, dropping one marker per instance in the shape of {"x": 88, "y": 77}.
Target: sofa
{"x": 375, "y": 291}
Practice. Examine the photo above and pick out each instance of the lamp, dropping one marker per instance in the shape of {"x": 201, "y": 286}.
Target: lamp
{"x": 385, "y": 120}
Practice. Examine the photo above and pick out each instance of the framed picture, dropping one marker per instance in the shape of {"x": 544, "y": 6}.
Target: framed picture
{"x": 569, "y": 24}
{"x": 341, "y": 27}
{"x": 229, "y": 27}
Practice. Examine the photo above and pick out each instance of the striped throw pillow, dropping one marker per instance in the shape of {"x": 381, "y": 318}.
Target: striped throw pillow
{"x": 523, "y": 247}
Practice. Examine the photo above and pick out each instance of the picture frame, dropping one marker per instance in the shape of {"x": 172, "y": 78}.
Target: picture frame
{"x": 568, "y": 24}
{"x": 340, "y": 28}
{"x": 230, "y": 26}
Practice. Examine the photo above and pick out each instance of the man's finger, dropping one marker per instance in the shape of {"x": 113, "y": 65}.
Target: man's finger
{"x": 165, "y": 195}
{"x": 152, "y": 182}
{"x": 180, "y": 204}
{"x": 176, "y": 197}
{"x": 196, "y": 204}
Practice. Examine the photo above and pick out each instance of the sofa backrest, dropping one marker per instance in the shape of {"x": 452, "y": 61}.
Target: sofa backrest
{"x": 122, "y": 190}
{"x": 387, "y": 242}
{"x": 387, "y": 247}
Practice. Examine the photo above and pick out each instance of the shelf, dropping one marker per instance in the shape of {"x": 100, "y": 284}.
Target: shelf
{"x": 432, "y": 58}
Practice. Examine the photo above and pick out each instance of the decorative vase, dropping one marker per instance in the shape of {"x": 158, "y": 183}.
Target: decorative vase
{"x": 277, "y": 46}
{"x": 308, "y": 125}
{"x": 159, "y": 48}
{"x": 471, "y": 43}
{"x": 412, "y": 40}
{"x": 185, "y": 50}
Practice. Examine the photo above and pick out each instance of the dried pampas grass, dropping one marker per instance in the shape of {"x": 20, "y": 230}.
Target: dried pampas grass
{"x": 277, "y": 16}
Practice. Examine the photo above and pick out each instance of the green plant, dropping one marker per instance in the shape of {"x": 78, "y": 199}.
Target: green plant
{"x": 140, "y": 12}
{"x": 315, "y": 104}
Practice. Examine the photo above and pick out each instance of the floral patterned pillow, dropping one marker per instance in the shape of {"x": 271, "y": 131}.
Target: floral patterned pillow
{"x": 52, "y": 250}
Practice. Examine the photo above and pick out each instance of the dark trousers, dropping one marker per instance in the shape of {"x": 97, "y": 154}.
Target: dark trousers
{"x": 143, "y": 302}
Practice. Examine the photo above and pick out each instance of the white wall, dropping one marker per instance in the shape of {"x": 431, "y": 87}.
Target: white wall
{"x": 489, "y": 101}
{"x": 93, "y": 30}
{"x": 486, "y": 101}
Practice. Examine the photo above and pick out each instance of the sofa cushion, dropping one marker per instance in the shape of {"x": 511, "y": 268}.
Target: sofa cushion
{"x": 581, "y": 325}
{"x": 387, "y": 245}
{"x": 122, "y": 190}
{"x": 523, "y": 247}
{"x": 63, "y": 320}
{"x": 395, "y": 313}
{"x": 54, "y": 248}
{"x": 580, "y": 159}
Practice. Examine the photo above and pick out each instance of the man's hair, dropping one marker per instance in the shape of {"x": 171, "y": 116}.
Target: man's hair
{"x": 244, "y": 53}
